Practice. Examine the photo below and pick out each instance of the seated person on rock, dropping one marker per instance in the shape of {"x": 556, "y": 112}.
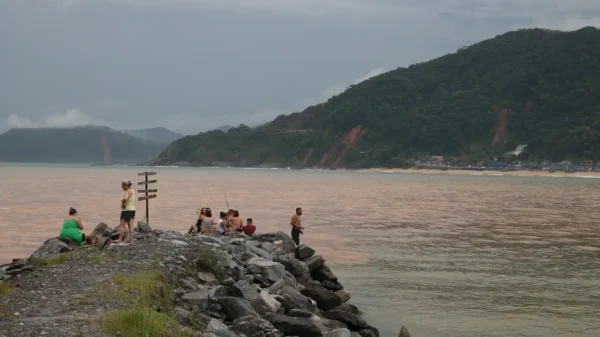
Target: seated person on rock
{"x": 236, "y": 222}
{"x": 198, "y": 225}
{"x": 221, "y": 224}
{"x": 249, "y": 229}
{"x": 206, "y": 222}
{"x": 71, "y": 229}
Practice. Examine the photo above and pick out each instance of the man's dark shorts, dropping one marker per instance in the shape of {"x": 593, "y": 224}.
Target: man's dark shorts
{"x": 127, "y": 215}
{"x": 296, "y": 235}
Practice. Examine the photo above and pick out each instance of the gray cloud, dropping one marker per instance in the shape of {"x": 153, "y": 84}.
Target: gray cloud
{"x": 366, "y": 8}
{"x": 196, "y": 64}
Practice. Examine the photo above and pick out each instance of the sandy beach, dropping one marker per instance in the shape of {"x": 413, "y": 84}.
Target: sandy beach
{"x": 488, "y": 172}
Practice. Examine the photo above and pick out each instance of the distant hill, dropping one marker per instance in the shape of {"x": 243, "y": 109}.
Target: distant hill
{"x": 158, "y": 135}
{"x": 533, "y": 86}
{"x": 224, "y": 128}
{"x": 85, "y": 144}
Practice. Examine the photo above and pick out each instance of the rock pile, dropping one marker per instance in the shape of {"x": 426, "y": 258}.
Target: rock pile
{"x": 266, "y": 286}
{"x": 228, "y": 286}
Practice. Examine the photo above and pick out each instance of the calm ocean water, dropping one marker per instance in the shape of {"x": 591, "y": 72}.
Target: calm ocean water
{"x": 446, "y": 255}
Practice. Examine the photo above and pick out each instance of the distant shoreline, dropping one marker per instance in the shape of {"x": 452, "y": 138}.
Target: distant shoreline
{"x": 521, "y": 173}
{"x": 448, "y": 171}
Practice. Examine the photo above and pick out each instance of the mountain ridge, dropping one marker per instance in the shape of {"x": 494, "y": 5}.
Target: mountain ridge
{"x": 532, "y": 86}
{"x": 156, "y": 134}
{"x": 79, "y": 144}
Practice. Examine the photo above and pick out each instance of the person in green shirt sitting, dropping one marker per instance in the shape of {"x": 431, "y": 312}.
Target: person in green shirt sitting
{"x": 71, "y": 229}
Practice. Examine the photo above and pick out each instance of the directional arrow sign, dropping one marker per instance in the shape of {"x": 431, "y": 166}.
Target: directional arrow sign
{"x": 148, "y": 191}
{"x": 149, "y": 182}
{"x": 147, "y": 174}
{"x": 151, "y": 196}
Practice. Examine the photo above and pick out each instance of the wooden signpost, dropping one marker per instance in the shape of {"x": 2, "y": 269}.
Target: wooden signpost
{"x": 146, "y": 190}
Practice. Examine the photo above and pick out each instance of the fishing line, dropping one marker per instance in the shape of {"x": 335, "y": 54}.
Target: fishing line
{"x": 199, "y": 210}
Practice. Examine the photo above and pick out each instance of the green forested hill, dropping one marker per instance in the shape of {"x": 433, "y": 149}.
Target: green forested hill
{"x": 85, "y": 144}
{"x": 546, "y": 84}
{"x": 158, "y": 135}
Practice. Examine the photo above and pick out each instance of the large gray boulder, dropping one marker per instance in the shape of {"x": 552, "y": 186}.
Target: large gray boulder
{"x": 369, "y": 332}
{"x": 223, "y": 291}
{"x": 285, "y": 242}
{"x": 276, "y": 287}
{"x": 214, "y": 234}
{"x": 296, "y": 326}
{"x": 197, "y": 298}
{"x": 300, "y": 313}
{"x": 235, "y": 307}
{"x": 291, "y": 298}
{"x": 303, "y": 252}
{"x": 326, "y": 299}
{"x": 332, "y": 286}
{"x": 101, "y": 231}
{"x": 51, "y": 248}
{"x": 339, "y": 333}
{"x": 314, "y": 262}
{"x": 254, "y": 326}
{"x": 343, "y": 295}
{"x": 404, "y": 332}
{"x": 259, "y": 252}
{"x": 323, "y": 273}
{"x": 219, "y": 329}
{"x": 273, "y": 271}
{"x": 267, "y": 247}
{"x": 235, "y": 249}
{"x": 261, "y": 301}
{"x": 143, "y": 227}
{"x": 354, "y": 322}
{"x": 293, "y": 265}
{"x": 349, "y": 308}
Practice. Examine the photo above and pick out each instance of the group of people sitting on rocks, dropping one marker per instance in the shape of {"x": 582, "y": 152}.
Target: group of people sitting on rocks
{"x": 228, "y": 222}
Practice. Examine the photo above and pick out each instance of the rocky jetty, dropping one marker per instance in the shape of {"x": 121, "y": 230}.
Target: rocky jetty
{"x": 168, "y": 284}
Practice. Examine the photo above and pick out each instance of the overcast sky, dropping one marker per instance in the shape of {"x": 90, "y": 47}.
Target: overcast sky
{"x": 191, "y": 65}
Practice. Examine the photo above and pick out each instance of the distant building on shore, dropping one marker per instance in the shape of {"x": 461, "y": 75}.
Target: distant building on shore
{"x": 436, "y": 160}
{"x": 566, "y": 166}
{"x": 497, "y": 164}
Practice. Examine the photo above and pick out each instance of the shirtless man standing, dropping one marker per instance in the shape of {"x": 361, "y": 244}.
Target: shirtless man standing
{"x": 296, "y": 226}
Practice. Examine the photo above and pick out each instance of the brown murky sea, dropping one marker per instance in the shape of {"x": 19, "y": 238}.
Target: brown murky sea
{"x": 464, "y": 256}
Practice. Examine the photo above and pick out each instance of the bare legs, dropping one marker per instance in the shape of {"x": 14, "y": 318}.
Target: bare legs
{"x": 130, "y": 231}
{"x": 122, "y": 229}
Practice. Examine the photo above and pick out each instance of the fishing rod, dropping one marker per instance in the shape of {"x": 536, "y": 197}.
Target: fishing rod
{"x": 199, "y": 210}
{"x": 317, "y": 225}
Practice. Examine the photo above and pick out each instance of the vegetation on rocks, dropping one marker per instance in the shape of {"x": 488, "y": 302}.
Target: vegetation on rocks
{"x": 141, "y": 322}
{"x": 143, "y": 289}
{"x": 103, "y": 257}
{"x": 547, "y": 83}
{"x": 6, "y": 288}
{"x": 58, "y": 259}
{"x": 149, "y": 300}
{"x": 212, "y": 261}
